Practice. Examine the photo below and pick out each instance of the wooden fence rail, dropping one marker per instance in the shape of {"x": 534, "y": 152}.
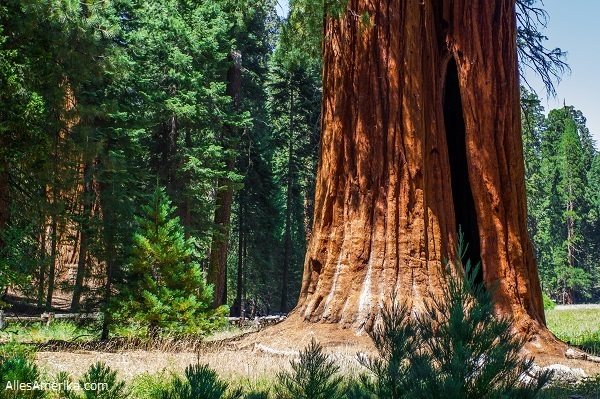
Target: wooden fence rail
{"x": 48, "y": 317}
{"x": 256, "y": 321}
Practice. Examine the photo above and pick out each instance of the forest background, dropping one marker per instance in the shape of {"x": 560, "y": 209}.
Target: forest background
{"x": 158, "y": 160}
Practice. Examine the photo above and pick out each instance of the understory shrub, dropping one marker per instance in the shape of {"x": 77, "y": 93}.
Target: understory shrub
{"x": 16, "y": 365}
{"x": 455, "y": 347}
{"x": 313, "y": 376}
{"x": 549, "y": 304}
{"x": 165, "y": 291}
{"x": 97, "y": 374}
{"x": 201, "y": 382}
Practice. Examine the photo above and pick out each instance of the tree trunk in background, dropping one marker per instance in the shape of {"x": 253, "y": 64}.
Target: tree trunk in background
{"x": 110, "y": 269}
{"x": 106, "y": 195}
{"x": 42, "y": 253}
{"x": 429, "y": 88}
{"x": 238, "y": 305}
{"x": 4, "y": 212}
{"x": 53, "y": 261}
{"x": 217, "y": 268}
{"x": 287, "y": 244}
{"x": 86, "y": 215}
{"x": 54, "y": 193}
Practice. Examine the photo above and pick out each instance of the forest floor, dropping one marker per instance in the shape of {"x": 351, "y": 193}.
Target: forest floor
{"x": 253, "y": 357}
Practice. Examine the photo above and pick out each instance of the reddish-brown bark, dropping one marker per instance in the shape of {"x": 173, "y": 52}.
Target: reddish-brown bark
{"x": 384, "y": 208}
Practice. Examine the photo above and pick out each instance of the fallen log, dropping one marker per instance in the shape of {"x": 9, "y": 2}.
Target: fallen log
{"x": 580, "y": 355}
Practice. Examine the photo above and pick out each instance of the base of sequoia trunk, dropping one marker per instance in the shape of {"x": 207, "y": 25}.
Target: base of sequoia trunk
{"x": 294, "y": 334}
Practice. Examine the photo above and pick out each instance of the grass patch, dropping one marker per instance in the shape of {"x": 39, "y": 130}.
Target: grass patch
{"x": 37, "y": 332}
{"x": 41, "y": 332}
{"x": 229, "y": 331}
{"x": 255, "y": 372}
{"x": 579, "y": 327}
{"x": 149, "y": 386}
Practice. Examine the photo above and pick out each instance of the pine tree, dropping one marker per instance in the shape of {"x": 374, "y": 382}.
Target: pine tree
{"x": 533, "y": 123}
{"x": 164, "y": 291}
{"x": 592, "y": 231}
{"x": 559, "y": 155}
{"x": 313, "y": 376}
{"x": 571, "y": 187}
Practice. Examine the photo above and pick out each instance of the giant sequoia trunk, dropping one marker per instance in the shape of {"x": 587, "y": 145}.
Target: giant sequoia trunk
{"x": 420, "y": 134}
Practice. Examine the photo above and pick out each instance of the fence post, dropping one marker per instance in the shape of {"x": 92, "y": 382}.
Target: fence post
{"x": 47, "y": 317}
{"x": 50, "y": 318}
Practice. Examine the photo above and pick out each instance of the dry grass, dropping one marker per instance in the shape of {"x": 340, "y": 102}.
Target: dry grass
{"x": 129, "y": 364}
{"x": 252, "y": 367}
{"x": 244, "y": 359}
{"x": 248, "y": 359}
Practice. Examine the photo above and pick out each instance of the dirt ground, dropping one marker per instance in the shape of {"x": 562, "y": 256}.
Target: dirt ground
{"x": 254, "y": 356}
{"x": 230, "y": 364}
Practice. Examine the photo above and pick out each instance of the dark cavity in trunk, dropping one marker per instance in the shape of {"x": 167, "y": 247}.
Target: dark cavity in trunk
{"x": 464, "y": 204}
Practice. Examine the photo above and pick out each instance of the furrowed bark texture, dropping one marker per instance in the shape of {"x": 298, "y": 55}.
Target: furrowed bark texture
{"x": 384, "y": 209}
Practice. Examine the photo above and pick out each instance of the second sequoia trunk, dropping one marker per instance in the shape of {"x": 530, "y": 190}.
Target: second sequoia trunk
{"x": 420, "y": 134}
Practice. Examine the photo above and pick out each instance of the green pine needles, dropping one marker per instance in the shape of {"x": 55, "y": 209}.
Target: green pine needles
{"x": 165, "y": 290}
{"x": 17, "y": 364}
{"x": 98, "y": 382}
{"x": 397, "y": 341}
{"x": 201, "y": 382}
{"x": 467, "y": 351}
{"x": 313, "y": 376}
{"x": 455, "y": 347}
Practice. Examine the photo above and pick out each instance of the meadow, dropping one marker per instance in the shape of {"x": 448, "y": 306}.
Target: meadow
{"x": 577, "y": 325}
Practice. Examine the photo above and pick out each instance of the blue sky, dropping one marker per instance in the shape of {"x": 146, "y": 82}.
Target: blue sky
{"x": 282, "y": 7}
{"x": 571, "y": 27}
